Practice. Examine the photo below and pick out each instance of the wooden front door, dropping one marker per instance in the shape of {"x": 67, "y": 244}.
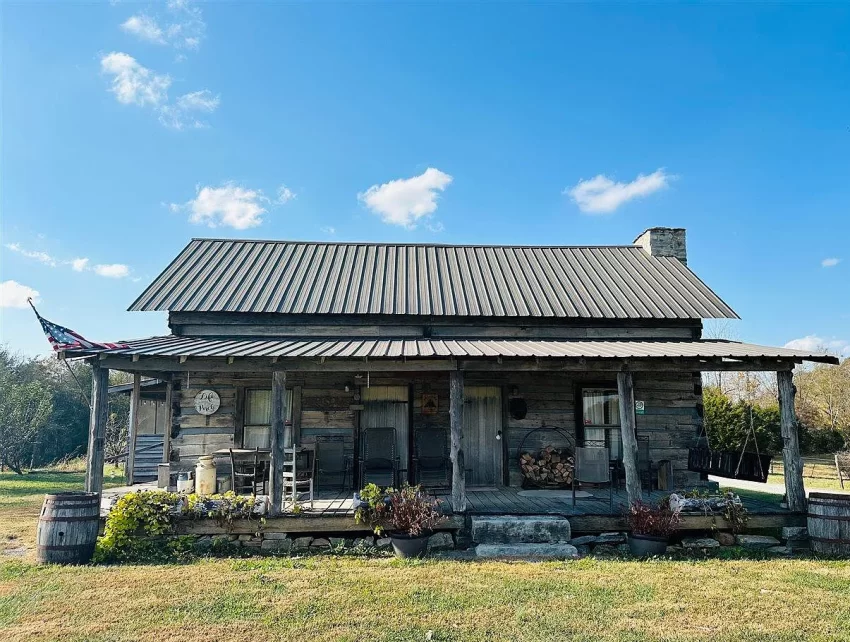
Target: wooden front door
{"x": 482, "y": 432}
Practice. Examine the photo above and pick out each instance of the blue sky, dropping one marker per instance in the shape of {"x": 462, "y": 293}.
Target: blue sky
{"x": 128, "y": 128}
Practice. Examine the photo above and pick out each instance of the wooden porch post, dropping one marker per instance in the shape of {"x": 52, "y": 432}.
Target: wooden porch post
{"x": 133, "y": 428}
{"x": 792, "y": 462}
{"x": 97, "y": 428}
{"x": 625, "y": 387}
{"x": 457, "y": 457}
{"x": 166, "y": 438}
{"x": 280, "y": 440}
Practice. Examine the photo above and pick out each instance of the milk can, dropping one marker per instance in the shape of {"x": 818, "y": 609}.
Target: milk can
{"x": 205, "y": 475}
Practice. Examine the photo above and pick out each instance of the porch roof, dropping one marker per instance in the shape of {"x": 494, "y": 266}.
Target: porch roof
{"x": 360, "y": 348}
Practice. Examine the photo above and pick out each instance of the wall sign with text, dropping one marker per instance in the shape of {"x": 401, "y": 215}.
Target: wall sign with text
{"x": 207, "y": 402}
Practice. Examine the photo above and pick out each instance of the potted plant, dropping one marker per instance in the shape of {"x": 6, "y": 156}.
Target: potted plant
{"x": 407, "y": 516}
{"x": 650, "y": 527}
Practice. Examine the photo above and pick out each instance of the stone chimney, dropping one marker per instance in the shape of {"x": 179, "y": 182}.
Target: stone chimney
{"x": 664, "y": 241}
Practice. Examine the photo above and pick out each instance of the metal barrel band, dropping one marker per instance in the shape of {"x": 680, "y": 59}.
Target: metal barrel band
{"x": 834, "y": 518}
{"x": 76, "y": 518}
{"x": 60, "y": 547}
{"x": 829, "y": 540}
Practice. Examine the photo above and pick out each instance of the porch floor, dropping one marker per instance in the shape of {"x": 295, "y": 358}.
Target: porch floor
{"x": 591, "y": 512}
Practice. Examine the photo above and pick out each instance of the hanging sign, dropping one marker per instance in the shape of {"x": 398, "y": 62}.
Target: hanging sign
{"x": 640, "y": 407}
{"x": 207, "y": 402}
{"x": 429, "y": 403}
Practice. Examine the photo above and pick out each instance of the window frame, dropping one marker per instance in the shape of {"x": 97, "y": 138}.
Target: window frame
{"x": 581, "y": 437}
{"x": 245, "y": 426}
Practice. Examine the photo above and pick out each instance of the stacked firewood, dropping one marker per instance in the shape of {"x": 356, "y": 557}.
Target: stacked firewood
{"x": 550, "y": 467}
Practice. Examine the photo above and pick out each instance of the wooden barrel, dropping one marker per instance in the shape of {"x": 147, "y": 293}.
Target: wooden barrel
{"x": 829, "y": 523}
{"x": 67, "y": 528}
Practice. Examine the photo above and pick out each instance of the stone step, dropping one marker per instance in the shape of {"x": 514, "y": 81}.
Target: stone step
{"x": 510, "y": 529}
{"x": 526, "y": 551}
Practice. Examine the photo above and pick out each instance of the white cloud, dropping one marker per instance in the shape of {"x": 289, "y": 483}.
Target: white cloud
{"x": 15, "y": 295}
{"x": 814, "y": 343}
{"x": 112, "y": 270}
{"x": 284, "y": 195}
{"x": 601, "y": 195}
{"x": 228, "y": 205}
{"x": 830, "y": 262}
{"x": 132, "y": 83}
{"x": 41, "y": 257}
{"x": 181, "y": 114}
{"x": 79, "y": 265}
{"x": 327, "y": 229}
{"x": 145, "y": 28}
{"x": 406, "y": 200}
{"x": 184, "y": 26}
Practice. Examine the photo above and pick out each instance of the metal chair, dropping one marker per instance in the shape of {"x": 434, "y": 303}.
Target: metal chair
{"x": 592, "y": 466}
{"x": 331, "y": 462}
{"x": 247, "y": 472}
{"x": 644, "y": 463}
{"x": 431, "y": 462}
{"x": 378, "y": 458}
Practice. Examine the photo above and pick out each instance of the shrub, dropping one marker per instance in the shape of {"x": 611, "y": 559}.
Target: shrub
{"x": 409, "y": 510}
{"x": 140, "y": 527}
{"x": 653, "y": 520}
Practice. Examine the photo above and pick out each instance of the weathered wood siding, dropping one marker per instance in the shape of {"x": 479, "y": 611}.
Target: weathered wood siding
{"x": 671, "y": 419}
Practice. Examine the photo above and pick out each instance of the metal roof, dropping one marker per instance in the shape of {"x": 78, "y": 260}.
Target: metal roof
{"x": 174, "y": 346}
{"x": 293, "y": 277}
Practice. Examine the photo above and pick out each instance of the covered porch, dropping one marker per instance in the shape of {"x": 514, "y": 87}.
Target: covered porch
{"x": 351, "y": 366}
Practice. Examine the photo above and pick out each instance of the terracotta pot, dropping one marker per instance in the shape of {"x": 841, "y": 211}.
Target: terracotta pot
{"x": 408, "y": 546}
{"x": 644, "y": 545}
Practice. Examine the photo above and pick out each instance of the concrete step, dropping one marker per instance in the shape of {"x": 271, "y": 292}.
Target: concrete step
{"x": 526, "y": 551}
{"x": 511, "y": 529}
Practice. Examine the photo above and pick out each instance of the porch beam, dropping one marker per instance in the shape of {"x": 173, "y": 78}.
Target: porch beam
{"x": 626, "y": 390}
{"x": 133, "y": 427}
{"x": 97, "y": 428}
{"x": 792, "y": 461}
{"x": 160, "y": 365}
{"x": 457, "y": 456}
{"x": 280, "y": 440}
{"x": 169, "y": 418}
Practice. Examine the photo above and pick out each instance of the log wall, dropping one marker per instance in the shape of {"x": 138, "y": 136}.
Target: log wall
{"x": 672, "y": 418}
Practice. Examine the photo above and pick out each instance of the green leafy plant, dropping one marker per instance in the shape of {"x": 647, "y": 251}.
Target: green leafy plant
{"x": 140, "y": 527}
{"x": 137, "y": 526}
{"x": 408, "y": 510}
{"x": 735, "y": 513}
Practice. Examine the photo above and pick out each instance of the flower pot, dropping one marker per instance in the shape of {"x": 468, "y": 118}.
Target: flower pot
{"x": 644, "y": 545}
{"x": 406, "y": 546}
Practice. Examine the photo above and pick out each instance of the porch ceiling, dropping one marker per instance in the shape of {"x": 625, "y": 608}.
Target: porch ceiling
{"x": 378, "y": 349}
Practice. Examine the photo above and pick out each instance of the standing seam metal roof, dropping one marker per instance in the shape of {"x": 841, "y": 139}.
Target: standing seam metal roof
{"x": 354, "y": 348}
{"x": 293, "y": 277}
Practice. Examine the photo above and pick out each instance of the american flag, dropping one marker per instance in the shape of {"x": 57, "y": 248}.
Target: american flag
{"x": 62, "y": 338}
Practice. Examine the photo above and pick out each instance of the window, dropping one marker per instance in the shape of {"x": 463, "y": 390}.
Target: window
{"x": 601, "y": 414}
{"x": 258, "y": 418}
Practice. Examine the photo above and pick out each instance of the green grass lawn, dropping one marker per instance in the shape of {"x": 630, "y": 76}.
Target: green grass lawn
{"x": 347, "y": 598}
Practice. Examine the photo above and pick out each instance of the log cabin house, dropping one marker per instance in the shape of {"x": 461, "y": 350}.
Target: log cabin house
{"x": 479, "y": 352}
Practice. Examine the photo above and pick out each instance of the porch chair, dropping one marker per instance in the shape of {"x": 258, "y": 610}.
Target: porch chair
{"x": 431, "y": 462}
{"x": 331, "y": 462}
{"x": 644, "y": 463}
{"x": 592, "y": 466}
{"x": 378, "y": 458}
{"x": 247, "y": 472}
{"x": 299, "y": 472}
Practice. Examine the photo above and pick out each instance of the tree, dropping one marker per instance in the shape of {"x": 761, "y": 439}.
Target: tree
{"x": 25, "y": 408}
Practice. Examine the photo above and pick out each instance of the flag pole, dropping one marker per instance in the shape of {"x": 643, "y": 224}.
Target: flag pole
{"x": 73, "y": 374}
